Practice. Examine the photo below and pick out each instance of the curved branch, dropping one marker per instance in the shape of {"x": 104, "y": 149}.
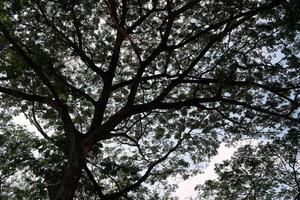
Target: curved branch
{"x": 94, "y": 182}
{"x": 136, "y": 144}
{"x": 32, "y": 118}
{"x": 161, "y": 47}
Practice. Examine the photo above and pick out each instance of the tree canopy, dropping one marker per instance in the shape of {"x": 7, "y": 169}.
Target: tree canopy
{"x": 125, "y": 94}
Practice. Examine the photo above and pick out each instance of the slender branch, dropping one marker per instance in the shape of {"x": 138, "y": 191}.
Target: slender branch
{"x": 136, "y": 144}
{"x": 147, "y": 173}
{"x": 178, "y": 80}
{"x": 79, "y": 51}
{"x": 35, "y": 122}
{"x": 190, "y": 102}
{"x": 25, "y": 96}
{"x": 234, "y": 83}
{"x": 140, "y": 21}
{"x": 185, "y": 7}
{"x": 94, "y": 182}
{"x": 77, "y": 27}
{"x": 146, "y": 78}
{"x": 258, "y": 109}
{"x": 295, "y": 171}
{"x": 143, "y": 65}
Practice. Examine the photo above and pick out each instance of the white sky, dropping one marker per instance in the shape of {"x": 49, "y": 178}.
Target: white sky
{"x": 21, "y": 120}
{"x": 186, "y": 188}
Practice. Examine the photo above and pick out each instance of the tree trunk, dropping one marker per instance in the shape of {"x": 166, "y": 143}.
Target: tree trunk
{"x": 72, "y": 174}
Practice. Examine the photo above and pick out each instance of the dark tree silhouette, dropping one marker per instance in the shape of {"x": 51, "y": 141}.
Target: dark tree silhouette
{"x": 127, "y": 93}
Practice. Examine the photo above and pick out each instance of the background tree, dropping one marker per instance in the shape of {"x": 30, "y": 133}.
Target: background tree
{"x": 265, "y": 171}
{"x": 127, "y": 93}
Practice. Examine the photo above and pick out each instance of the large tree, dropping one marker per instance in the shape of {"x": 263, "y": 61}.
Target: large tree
{"x": 127, "y": 93}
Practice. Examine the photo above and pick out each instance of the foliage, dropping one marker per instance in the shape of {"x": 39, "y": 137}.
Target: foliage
{"x": 265, "y": 171}
{"x": 128, "y": 93}
{"x": 22, "y": 171}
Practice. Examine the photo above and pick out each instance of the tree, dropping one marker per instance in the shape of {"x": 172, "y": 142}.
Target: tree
{"x": 266, "y": 171}
{"x": 127, "y": 93}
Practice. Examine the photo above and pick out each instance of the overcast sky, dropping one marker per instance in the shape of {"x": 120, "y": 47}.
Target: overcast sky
{"x": 186, "y": 188}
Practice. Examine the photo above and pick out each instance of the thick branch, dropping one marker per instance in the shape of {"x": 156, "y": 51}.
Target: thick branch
{"x": 103, "y": 131}
{"x": 27, "y": 59}
{"x": 174, "y": 105}
{"x": 107, "y": 87}
{"x": 69, "y": 127}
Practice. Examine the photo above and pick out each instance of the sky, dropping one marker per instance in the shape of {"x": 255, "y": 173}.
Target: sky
{"x": 225, "y": 152}
{"x": 186, "y": 188}
{"x": 21, "y": 120}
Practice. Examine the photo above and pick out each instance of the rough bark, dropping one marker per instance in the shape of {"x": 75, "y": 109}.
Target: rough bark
{"x": 72, "y": 174}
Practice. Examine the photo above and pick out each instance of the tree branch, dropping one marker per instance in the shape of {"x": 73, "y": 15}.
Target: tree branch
{"x": 185, "y": 7}
{"x": 79, "y": 51}
{"x": 27, "y": 59}
{"x": 72, "y": 88}
{"x": 258, "y": 109}
{"x": 25, "y": 96}
{"x": 138, "y": 77}
{"x": 32, "y": 118}
{"x": 97, "y": 188}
